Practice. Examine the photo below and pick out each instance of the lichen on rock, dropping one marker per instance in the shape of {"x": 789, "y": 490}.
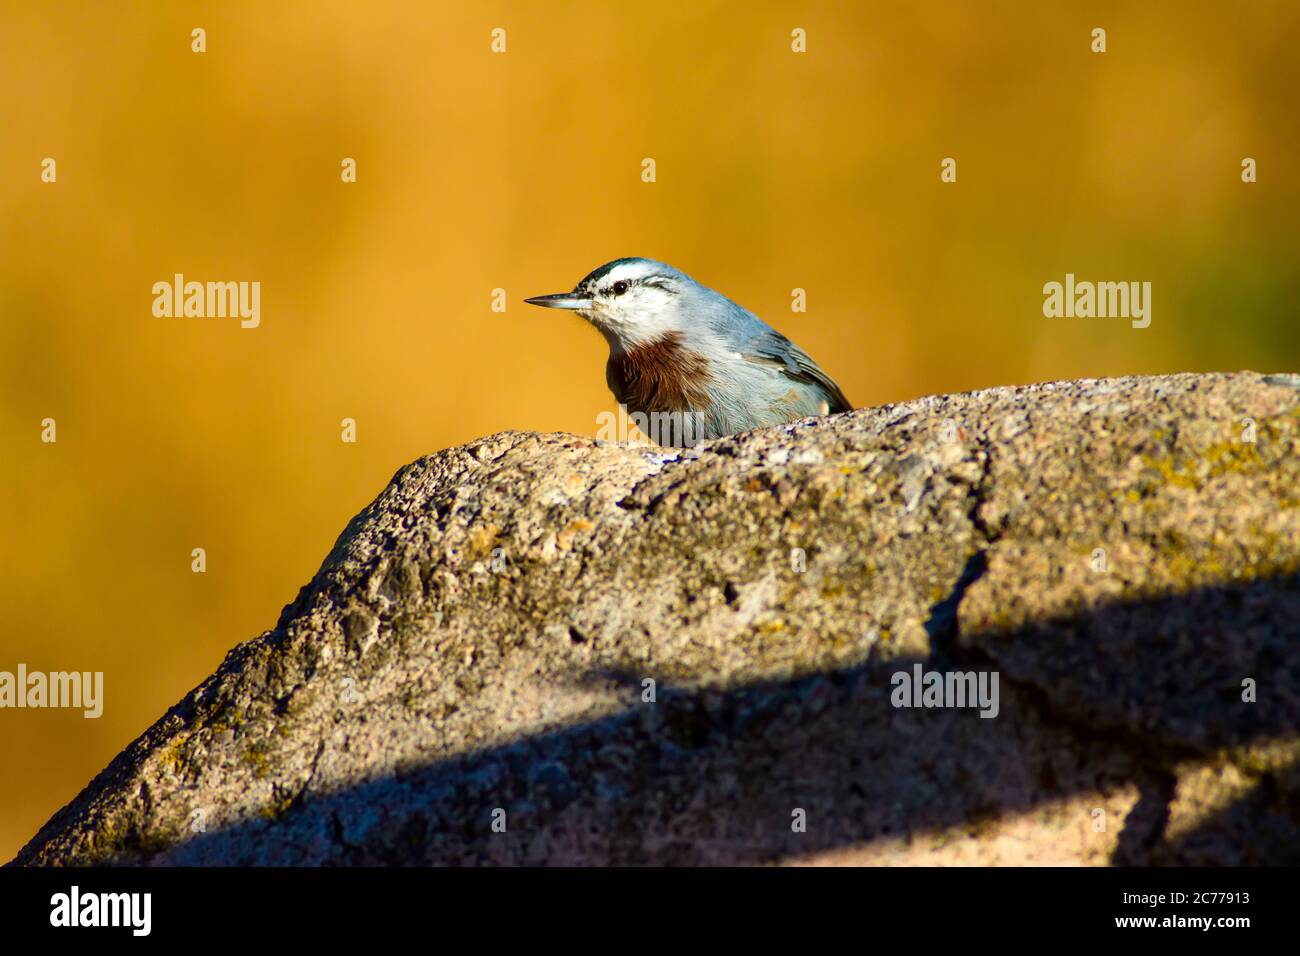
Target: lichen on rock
{"x": 545, "y": 649}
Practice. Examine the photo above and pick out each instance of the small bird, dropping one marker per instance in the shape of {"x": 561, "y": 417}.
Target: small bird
{"x": 678, "y": 348}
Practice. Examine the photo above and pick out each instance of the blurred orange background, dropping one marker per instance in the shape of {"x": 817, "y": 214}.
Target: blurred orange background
{"x": 522, "y": 170}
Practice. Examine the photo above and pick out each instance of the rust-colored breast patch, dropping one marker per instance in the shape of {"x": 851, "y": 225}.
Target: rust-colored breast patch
{"x": 662, "y": 376}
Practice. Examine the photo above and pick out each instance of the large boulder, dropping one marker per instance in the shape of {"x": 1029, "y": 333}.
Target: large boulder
{"x": 545, "y": 649}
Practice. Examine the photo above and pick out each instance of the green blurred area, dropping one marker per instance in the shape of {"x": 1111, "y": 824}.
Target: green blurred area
{"x": 522, "y": 171}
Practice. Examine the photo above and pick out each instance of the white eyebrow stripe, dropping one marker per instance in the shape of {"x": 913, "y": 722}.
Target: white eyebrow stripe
{"x": 629, "y": 271}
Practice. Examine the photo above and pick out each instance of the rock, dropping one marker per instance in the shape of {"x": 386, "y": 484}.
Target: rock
{"x": 540, "y": 648}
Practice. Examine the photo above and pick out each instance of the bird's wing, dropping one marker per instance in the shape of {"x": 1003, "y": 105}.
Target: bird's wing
{"x": 771, "y": 347}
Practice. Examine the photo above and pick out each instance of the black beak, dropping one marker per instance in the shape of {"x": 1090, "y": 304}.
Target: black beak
{"x": 561, "y": 300}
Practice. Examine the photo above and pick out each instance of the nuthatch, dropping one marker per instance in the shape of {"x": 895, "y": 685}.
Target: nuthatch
{"x": 678, "y": 348}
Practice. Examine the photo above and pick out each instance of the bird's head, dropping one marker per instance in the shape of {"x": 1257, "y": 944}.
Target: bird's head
{"x": 633, "y": 301}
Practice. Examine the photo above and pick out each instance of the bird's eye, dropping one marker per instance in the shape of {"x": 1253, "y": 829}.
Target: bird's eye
{"x": 620, "y": 287}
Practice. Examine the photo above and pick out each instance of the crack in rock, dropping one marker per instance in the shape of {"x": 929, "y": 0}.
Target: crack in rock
{"x": 777, "y": 574}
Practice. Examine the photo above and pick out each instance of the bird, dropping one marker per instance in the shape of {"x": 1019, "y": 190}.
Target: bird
{"x": 680, "y": 350}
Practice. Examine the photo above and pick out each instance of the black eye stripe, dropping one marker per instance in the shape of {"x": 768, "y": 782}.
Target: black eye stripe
{"x": 622, "y": 286}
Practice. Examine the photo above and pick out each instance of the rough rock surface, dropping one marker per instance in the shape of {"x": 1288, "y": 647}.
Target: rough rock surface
{"x": 476, "y": 651}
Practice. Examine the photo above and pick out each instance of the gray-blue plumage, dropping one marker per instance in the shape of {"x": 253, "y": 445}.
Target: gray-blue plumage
{"x": 678, "y": 346}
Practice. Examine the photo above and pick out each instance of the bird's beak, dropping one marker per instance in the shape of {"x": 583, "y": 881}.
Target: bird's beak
{"x": 561, "y": 300}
